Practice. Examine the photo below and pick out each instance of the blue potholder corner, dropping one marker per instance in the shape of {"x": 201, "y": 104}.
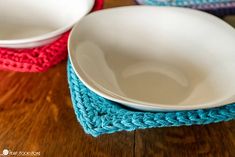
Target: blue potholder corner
{"x": 98, "y": 115}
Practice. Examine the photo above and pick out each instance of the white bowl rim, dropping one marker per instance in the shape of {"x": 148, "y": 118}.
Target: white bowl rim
{"x": 46, "y": 36}
{"x": 136, "y": 104}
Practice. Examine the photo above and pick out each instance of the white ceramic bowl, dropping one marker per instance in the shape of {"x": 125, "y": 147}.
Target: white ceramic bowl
{"x": 30, "y": 23}
{"x": 156, "y": 58}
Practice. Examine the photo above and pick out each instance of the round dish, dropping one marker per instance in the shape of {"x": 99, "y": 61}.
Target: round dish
{"x": 28, "y": 23}
{"x": 156, "y": 58}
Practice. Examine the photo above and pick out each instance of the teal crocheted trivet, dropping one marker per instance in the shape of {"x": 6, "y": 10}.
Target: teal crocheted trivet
{"x": 98, "y": 115}
{"x": 181, "y": 2}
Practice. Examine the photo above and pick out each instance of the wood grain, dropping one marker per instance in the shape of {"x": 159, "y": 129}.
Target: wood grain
{"x": 214, "y": 140}
{"x": 36, "y": 114}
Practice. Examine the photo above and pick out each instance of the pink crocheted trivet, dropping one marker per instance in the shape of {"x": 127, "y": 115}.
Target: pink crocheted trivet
{"x": 38, "y": 59}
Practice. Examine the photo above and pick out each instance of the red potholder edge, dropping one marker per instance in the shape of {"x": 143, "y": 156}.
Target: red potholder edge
{"x": 38, "y": 59}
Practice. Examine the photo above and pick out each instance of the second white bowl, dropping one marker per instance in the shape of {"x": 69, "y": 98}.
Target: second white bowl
{"x": 29, "y": 23}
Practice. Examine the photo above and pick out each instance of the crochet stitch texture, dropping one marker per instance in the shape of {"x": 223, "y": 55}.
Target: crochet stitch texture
{"x": 218, "y": 8}
{"x": 37, "y": 59}
{"x": 181, "y": 2}
{"x": 98, "y": 115}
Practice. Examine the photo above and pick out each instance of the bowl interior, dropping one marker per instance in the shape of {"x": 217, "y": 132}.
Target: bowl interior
{"x": 167, "y": 57}
{"x": 27, "y": 19}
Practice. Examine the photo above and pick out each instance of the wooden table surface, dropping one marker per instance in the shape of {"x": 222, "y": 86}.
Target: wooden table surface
{"x": 36, "y": 114}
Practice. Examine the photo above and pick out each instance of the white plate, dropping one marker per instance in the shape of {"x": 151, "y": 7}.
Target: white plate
{"x": 156, "y": 58}
{"x": 30, "y": 23}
